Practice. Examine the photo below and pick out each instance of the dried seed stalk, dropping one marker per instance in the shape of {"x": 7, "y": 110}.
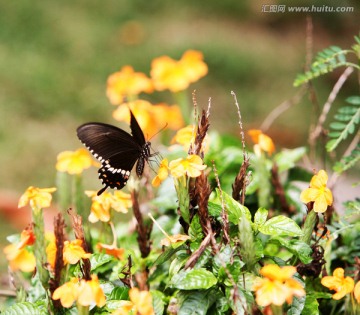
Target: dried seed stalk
{"x": 54, "y": 283}
{"x": 203, "y": 127}
{"x": 76, "y": 222}
{"x": 143, "y": 230}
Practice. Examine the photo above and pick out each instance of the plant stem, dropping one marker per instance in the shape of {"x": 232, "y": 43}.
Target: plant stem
{"x": 276, "y": 309}
{"x": 182, "y": 101}
{"x": 309, "y": 227}
{"x": 39, "y": 247}
{"x": 83, "y": 310}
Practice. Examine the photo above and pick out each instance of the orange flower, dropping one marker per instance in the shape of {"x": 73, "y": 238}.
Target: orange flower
{"x": 162, "y": 174}
{"x": 151, "y": 118}
{"x": 73, "y": 252}
{"x": 127, "y": 83}
{"x": 67, "y": 293}
{"x": 339, "y": 283}
{"x": 262, "y": 141}
{"x": 111, "y": 250}
{"x": 101, "y": 205}
{"x": 19, "y": 258}
{"x": 37, "y": 197}
{"x": 318, "y": 192}
{"x": 90, "y": 292}
{"x": 176, "y": 76}
{"x": 277, "y": 286}
{"x": 191, "y": 166}
{"x": 27, "y": 237}
{"x": 74, "y": 162}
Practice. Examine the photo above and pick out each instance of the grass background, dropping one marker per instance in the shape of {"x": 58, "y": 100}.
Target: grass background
{"x": 55, "y": 57}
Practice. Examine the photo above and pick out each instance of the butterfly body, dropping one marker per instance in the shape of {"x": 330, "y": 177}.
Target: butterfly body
{"x": 116, "y": 150}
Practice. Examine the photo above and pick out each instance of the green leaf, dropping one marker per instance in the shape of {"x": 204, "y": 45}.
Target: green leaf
{"x": 260, "y": 217}
{"x": 297, "y": 306}
{"x": 354, "y": 100}
{"x": 196, "y": 302}
{"x": 158, "y": 302}
{"x": 280, "y": 225}
{"x": 234, "y": 209}
{"x": 298, "y": 248}
{"x": 193, "y": 279}
{"x": 286, "y": 158}
{"x": 26, "y": 308}
{"x": 167, "y": 254}
{"x": 311, "y": 306}
{"x": 119, "y": 293}
{"x": 98, "y": 259}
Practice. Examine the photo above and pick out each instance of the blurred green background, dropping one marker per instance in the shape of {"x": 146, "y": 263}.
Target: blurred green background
{"x": 55, "y": 57}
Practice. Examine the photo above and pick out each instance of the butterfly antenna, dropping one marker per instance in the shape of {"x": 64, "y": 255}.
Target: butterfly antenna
{"x": 158, "y": 132}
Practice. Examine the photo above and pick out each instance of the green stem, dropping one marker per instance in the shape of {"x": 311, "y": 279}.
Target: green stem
{"x": 309, "y": 227}
{"x": 182, "y": 101}
{"x": 182, "y": 190}
{"x": 276, "y": 309}
{"x": 63, "y": 184}
{"x": 83, "y": 310}
{"x": 40, "y": 246}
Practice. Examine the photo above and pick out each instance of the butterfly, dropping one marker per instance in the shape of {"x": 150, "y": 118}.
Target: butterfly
{"x": 116, "y": 150}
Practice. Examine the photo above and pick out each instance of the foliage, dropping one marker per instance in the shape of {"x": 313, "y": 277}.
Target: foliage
{"x": 230, "y": 234}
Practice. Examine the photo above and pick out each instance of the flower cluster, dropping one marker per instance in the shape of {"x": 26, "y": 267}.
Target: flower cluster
{"x": 101, "y": 205}
{"x": 125, "y": 86}
{"x": 85, "y": 293}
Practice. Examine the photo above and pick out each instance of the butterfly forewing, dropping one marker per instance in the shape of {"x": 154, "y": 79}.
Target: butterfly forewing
{"x": 116, "y": 149}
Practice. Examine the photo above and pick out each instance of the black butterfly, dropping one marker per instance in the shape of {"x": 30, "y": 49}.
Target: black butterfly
{"x": 117, "y": 151}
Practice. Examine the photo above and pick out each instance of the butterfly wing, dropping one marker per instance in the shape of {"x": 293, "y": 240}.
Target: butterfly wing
{"x": 114, "y": 148}
{"x": 106, "y": 141}
{"x": 136, "y": 130}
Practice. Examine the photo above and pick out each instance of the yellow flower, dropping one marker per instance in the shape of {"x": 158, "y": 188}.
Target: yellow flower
{"x": 101, "y": 205}
{"x": 173, "y": 239}
{"x": 318, "y": 192}
{"x": 162, "y": 174}
{"x": 127, "y": 83}
{"x": 262, "y": 141}
{"x": 111, "y": 250}
{"x": 19, "y": 258}
{"x": 90, "y": 292}
{"x": 84, "y": 292}
{"x": 191, "y": 166}
{"x": 74, "y": 162}
{"x": 357, "y": 292}
{"x": 339, "y": 283}
{"x": 73, "y": 252}
{"x": 185, "y": 136}
{"x": 37, "y": 197}
{"x": 67, "y": 293}
{"x": 142, "y": 301}
{"x": 151, "y": 118}
{"x": 176, "y": 76}
{"x": 277, "y": 286}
